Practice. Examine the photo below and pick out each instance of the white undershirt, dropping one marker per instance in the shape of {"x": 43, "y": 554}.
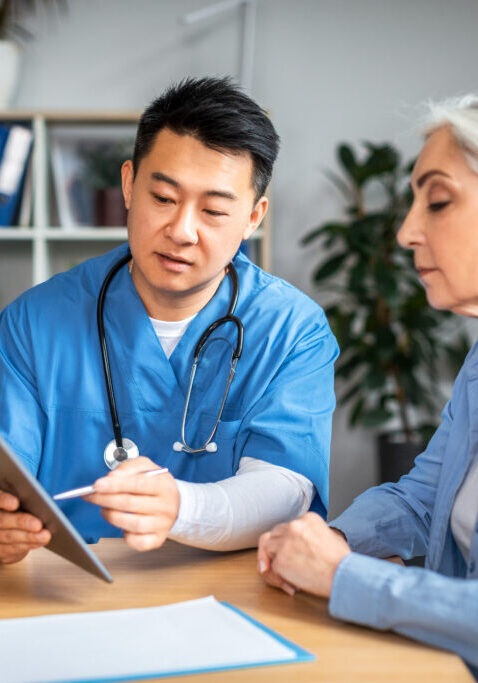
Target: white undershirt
{"x": 465, "y": 511}
{"x": 233, "y": 513}
{"x": 170, "y": 332}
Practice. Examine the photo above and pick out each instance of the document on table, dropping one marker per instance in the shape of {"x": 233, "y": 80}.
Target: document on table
{"x": 188, "y": 637}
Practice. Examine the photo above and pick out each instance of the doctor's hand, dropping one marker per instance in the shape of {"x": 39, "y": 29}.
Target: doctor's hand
{"x": 144, "y": 507}
{"x": 20, "y": 532}
{"x": 302, "y": 555}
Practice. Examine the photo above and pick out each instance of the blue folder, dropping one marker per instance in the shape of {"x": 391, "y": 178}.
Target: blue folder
{"x": 9, "y": 202}
{"x": 4, "y": 130}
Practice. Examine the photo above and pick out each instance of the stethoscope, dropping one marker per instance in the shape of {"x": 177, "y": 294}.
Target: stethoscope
{"x": 120, "y": 448}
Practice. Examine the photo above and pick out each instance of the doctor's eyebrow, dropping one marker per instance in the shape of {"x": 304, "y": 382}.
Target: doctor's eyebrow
{"x": 156, "y": 175}
{"x": 220, "y": 193}
{"x": 162, "y": 177}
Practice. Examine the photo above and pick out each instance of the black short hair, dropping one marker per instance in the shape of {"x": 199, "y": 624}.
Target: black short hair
{"x": 218, "y": 114}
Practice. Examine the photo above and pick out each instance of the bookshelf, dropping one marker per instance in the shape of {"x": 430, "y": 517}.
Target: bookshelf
{"x": 45, "y": 248}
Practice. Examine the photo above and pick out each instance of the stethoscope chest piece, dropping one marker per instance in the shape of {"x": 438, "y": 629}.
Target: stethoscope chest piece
{"x": 114, "y": 456}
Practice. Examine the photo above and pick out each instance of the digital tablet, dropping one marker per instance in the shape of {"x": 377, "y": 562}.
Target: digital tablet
{"x": 65, "y": 539}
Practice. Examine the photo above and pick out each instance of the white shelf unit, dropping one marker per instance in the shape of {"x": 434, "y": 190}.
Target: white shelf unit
{"x": 43, "y": 236}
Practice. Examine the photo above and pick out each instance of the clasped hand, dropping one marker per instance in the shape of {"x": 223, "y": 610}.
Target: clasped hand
{"x": 144, "y": 507}
{"x": 303, "y": 554}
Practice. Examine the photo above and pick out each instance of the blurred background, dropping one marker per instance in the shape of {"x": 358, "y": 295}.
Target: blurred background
{"x": 330, "y": 73}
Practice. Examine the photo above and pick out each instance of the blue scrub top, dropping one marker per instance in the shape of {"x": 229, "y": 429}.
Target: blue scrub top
{"x": 54, "y": 407}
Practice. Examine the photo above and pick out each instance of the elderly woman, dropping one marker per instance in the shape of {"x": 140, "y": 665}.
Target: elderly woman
{"x": 433, "y": 510}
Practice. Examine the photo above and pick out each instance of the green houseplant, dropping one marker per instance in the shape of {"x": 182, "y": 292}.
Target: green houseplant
{"x": 394, "y": 346}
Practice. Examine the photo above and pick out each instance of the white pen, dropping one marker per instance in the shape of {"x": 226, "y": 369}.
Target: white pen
{"x": 85, "y": 490}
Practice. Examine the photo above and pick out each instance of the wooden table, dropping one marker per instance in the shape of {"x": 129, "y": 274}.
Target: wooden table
{"x": 47, "y": 584}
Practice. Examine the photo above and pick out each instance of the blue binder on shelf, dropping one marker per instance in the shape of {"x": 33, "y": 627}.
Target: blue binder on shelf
{"x": 4, "y": 130}
{"x": 15, "y": 147}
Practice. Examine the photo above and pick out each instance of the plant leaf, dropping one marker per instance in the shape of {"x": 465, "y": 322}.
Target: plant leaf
{"x": 329, "y": 267}
{"x": 348, "y": 161}
{"x": 324, "y": 229}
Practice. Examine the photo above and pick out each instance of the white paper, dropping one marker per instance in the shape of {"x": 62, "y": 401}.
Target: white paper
{"x": 187, "y": 636}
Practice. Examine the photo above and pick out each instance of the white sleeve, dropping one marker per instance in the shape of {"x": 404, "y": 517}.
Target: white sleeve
{"x": 231, "y": 514}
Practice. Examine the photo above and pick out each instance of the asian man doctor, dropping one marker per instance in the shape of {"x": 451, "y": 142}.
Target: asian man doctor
{"x": 102, "y": 391}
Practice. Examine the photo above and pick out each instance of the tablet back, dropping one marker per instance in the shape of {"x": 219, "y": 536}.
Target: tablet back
{"x": 65, "y": 540}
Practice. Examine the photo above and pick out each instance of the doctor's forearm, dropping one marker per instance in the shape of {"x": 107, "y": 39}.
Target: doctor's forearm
{"x": 233, "y": 513}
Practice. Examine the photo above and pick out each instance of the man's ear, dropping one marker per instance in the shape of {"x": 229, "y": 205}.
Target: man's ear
{"x": 127, "y": 182}
{"x": 255, "y": 219}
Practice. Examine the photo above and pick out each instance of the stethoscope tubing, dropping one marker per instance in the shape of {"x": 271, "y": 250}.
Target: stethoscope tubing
{"x": 104, "y": 348}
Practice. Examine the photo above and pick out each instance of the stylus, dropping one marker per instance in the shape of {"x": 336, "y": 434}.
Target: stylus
{"x": 85, "y": 490}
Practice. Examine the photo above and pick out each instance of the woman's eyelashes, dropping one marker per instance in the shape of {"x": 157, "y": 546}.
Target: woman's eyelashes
{"x": 438, "y": 197}
{"x": 438, "y": 206}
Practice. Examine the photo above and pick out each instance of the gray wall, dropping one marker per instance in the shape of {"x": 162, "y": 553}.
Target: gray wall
{"x": 327, "y": 70}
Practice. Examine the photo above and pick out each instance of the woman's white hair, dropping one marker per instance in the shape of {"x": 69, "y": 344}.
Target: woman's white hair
{"x": 460, "y": 115}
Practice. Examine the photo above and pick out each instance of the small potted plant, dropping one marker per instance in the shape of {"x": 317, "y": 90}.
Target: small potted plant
{"x": 394, "y": 346}
{"x": 103, "y": 163}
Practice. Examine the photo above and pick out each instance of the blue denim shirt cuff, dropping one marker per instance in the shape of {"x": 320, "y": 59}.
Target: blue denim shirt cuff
{"x": 354, "y": 528}
{"x": 356, "y": 589}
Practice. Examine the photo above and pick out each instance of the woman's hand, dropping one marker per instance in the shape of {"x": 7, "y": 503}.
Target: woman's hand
{"x": 144, "y": 507}
{"x": 303, "y": 554}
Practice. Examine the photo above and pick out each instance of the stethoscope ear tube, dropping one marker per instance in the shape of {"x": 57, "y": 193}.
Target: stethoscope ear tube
{"x": 217, "y": 323}
{"x": 229, "y": 318}
{"x": 208, "y": 445}
{"x": 235, "y": 289}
